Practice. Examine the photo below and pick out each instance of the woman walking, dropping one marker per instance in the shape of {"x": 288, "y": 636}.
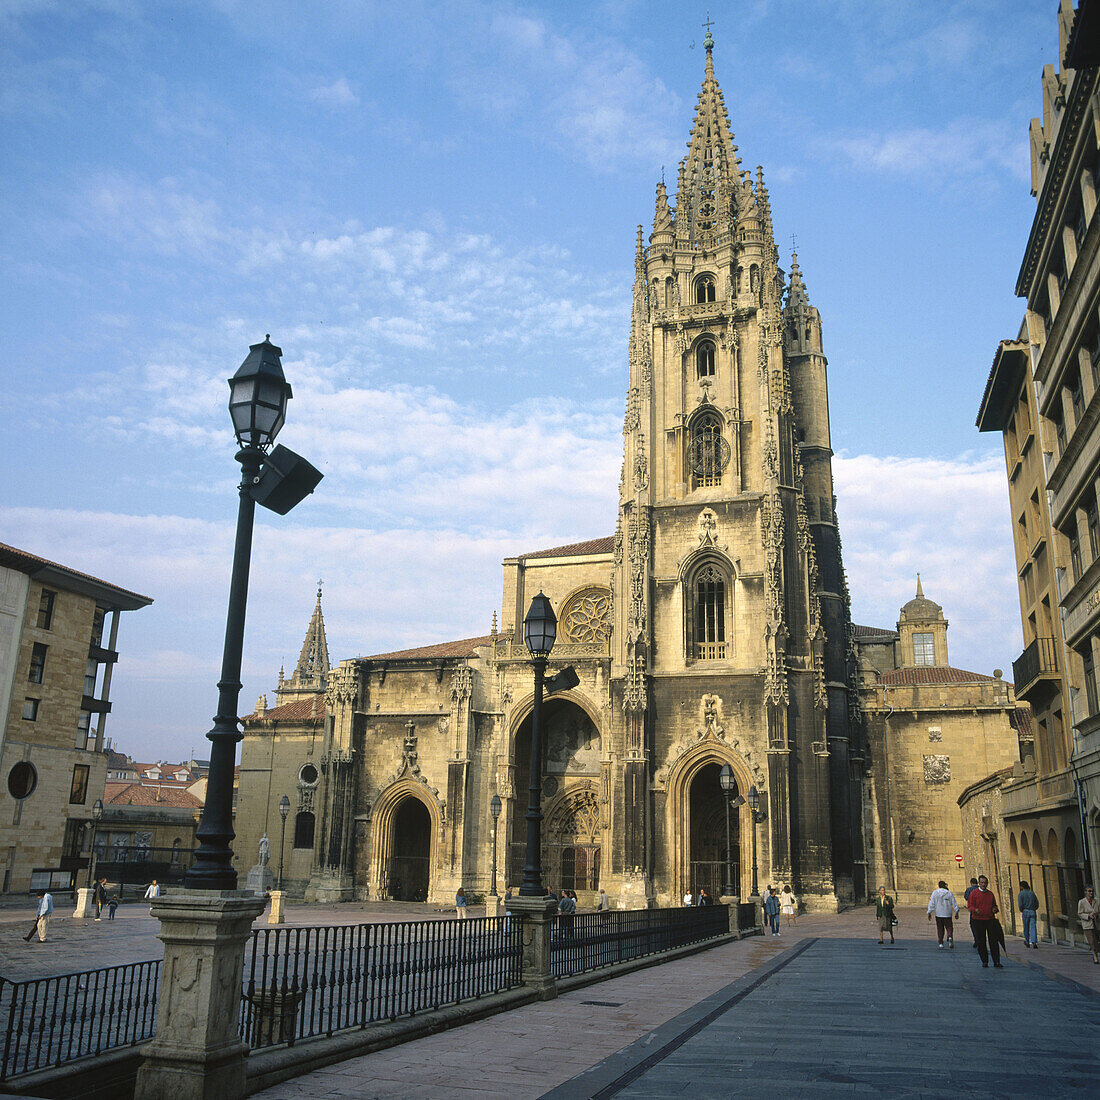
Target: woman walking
{"x": 460, "y": 903}
{"x": 789, "y": 904}
{"x": 884, "y": 910}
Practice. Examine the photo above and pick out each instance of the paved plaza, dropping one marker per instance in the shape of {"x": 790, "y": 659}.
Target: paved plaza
{"x": 820, "y": 1010}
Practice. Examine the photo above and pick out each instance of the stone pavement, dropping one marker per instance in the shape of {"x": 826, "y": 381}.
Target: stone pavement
{"x": 837, "y": 1014}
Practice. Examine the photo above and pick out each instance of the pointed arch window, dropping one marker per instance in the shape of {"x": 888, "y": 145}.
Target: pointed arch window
{"x": 707, "y": 600}
{"x": 704, "y": 360}
{"x": 704, "y": 289}
{"x": 670, "y": 292}
{"x": 708, "y": 453}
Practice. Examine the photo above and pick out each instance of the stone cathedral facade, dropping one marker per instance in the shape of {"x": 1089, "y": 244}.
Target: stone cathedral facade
{"x": 711, "y": 628}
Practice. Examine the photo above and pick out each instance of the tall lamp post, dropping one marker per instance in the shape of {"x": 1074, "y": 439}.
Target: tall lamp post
{"x": 729, "y": 785}
{"x": 494, "y": 809}
{"x": 97, "y": 813}
{"x": 540, "y": 628}
{"x": 758, "y": 815}
{"x": 278, "y": 479}
{"x": 284, "y": 809}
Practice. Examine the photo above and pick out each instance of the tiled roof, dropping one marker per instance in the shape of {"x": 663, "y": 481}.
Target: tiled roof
{"x": 463, "y": 648}
{"x": 1021, "y": 722}
{"x": 134, "y": 794}
{"x": 872, "y": 632}
{"x": 576, "y": 549}
{"x": 300, "y": 710}
{"x": 32, "y": 564}
{"x": 934, "y": 674}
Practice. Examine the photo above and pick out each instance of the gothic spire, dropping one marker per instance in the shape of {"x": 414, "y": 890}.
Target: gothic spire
{"x": 313, "y": 661}
{"x": 708, "y": 189}
{"x": 798, "y": 301}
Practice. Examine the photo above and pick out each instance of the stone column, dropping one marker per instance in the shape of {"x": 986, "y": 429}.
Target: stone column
{"x": 278, "y": 902}
{"x": 734, "y": 907}
{"x": 535, "y": 915}
{"x": 85, "y": 903}
{"x": 197, "y": 1053}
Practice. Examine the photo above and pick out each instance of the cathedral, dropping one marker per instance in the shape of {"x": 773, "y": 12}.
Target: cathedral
{"x": 711, "y": 628}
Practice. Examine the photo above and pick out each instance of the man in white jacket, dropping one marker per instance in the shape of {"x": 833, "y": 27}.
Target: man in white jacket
{"x": 942, "y": 904}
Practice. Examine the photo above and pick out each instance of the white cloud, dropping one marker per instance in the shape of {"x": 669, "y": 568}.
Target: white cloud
{"x": 947, "y": 519}
{"x": 337, "y": 94}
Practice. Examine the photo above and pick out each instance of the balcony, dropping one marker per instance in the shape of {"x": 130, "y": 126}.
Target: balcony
{"x": 1035, "y": 672}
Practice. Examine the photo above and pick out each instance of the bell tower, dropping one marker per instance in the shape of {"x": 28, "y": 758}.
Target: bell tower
{"x": 729, "y": 595}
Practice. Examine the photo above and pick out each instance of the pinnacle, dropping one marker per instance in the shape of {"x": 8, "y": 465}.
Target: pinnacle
{"x": 920, "y": 590}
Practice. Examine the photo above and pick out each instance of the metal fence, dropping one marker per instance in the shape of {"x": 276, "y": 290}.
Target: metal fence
{"x": 305, "y": 982}
{"x": 588, "y": 941}
{"x": 48, "y": 1021}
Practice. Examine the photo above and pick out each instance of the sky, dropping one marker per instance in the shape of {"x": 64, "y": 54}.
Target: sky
{"x": 432, "y": 207}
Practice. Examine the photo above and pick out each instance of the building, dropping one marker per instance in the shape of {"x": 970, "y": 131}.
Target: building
{"x": 933, "y": 731}
{"x": 711, "y": 627}
{"x": 58, "y": 639}
{"x": 1043, "y": 395}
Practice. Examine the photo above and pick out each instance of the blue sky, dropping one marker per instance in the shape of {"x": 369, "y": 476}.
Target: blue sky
{"x": 432, "y": 209}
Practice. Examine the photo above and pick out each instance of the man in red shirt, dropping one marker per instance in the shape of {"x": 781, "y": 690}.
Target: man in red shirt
{"x": 983, "y": 908}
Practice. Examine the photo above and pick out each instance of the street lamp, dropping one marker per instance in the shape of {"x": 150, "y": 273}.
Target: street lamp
{"x": 494, "y": 809}
{"x": 284, "y": 809}
{"x": 258, "y": 395}
{"x": 758, "y": 815}
{"x": 540, "y": 628}
{"x": 97, "y": 813}
{"x": 729, "y": 785}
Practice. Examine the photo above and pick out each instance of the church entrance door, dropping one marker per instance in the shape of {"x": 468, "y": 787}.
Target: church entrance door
{"x": 411, "y": 845}
{"x": 707, "y": 824}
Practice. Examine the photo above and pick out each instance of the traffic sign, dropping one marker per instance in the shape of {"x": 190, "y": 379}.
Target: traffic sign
{"x": 958, "y": 858}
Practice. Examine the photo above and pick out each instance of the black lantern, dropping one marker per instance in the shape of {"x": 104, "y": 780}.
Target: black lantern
{"x": 540, "y": 628}
{"x": 97, "y": 813}
{"x": 729, "y": 785}
{"x": 754, "y": 806}
{"x": 258, "y": 394}
{"x": 494, "y": 810}
{"x": 284, "y": 809}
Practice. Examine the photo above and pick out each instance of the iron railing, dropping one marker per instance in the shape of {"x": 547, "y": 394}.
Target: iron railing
{"x": 1039, "y": 658}
{"x": 48, "y": 1021}
{"x": 588, "y": 941}
{"x": 306, "y": 982}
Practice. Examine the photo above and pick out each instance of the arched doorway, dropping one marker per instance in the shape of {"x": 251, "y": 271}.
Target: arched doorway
{"x": 707, "y": 834}
{"x": 411, "y": 848}
{"x": 571, "y": 763}
{"x": 571, "y": 845}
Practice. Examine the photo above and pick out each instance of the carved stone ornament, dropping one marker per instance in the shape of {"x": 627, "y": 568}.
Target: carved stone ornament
{"x": 630, "y": 423}
{"x": 710, "y": 714}
{"x": 937, "y": 769}
{"x": 462, "y": 683}
{"x": 586, "y": 617}
{"x": 641, "y": 467}
{"x": 707, "y": 528}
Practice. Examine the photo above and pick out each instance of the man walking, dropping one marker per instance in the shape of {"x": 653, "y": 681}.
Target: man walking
{"x": 966, "y": 897}
{"x": 983, "y": 909}
{"x": 1028, "y": 902}
{"x": 942, "y": 903}
{"x": 41, "y": 923}
{"x": 100, "y": 897}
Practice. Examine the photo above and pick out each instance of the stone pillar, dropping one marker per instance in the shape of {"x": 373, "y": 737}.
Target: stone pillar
{"x": 85, "y": 903}
{"x": 733, "y": 904}
{"x": 494, "y": 905}
{"x": 278, "y": 901}
{"x": 536, "y": 915}
{"x": 197, "y": 1053}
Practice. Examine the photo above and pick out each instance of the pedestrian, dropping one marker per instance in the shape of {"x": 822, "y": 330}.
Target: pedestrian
{"x": 1028, "y": 903}
{"x": 771, "y": 908}
{"x": 460, "y": 903}
{"x": 603, "y": 904}
{"x": 943, "y": 904}
{"x": 704, "y": 897}
{"x": 764, "y": 901}
{"x": 567, "y": 907}
{"x": 789, "y": 904}
{"x": 42, "y": 917}
{"x": 1088, "y": 913}
{"x": 688, "y": 901}
{"x": 100, "y": 895}
{"x": 966, "y": 897}
{"x": 983, "y": 918}
{"x": 112, "y": 905}
{"x": 152, "y": 891}
{"x": 884, "y": 911}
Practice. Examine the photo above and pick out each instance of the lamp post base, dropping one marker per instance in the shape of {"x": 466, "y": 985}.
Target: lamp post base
{"x": 537, "y": 917}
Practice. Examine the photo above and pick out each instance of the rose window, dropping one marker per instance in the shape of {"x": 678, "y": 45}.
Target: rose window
{"x": 587, "y": 618}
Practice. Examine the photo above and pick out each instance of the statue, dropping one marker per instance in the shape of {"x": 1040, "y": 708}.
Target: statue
{"x": 265, "y": 850}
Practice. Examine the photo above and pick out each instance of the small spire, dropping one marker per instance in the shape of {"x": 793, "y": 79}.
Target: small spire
{"x": 708, "y": 45}
{"x": 920, "y": 590}
{"x": 493, "y": 632}
{"x": 662, "y": 217}
{"x": 313, "y": 661}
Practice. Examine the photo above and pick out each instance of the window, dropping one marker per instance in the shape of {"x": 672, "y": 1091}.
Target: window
{"x": 1089, "y": 670}
{"x": 38, "y": 664}
{"x": 83, "y": 733}
{"x": 90, "y": 671}
{"x": 924, "y": 649}
{"x": 710, "y": 615}
{"x": 1077, "y": 397}
{"x": 1059, "y": 430}
{"x": 1092, "y": 518}
{"x": 307, "y": 775}
{"x": 78, "y": 792}
{"x": 708, "y": 452}
{"x": 97, "y": 628}
{"x": 670, "y": 292}
{"x": 704, "y": 289}
{"x": 22, "y": 780}
{"x": 1080, "y": 225}
{"x": 30, "y": 709}
{"x": 303, "y": 830}
{"x": 1075, "y": 555}
{"x": 45, "y": 609}
{"x": 704, "y": 360}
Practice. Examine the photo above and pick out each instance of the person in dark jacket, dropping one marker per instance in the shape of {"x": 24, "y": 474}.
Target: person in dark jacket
{"x": 983, "y": 913}
{"x": 771, "y": 908}
{"x": 884, "y": 912}
{"x": 1028, "y": 903}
